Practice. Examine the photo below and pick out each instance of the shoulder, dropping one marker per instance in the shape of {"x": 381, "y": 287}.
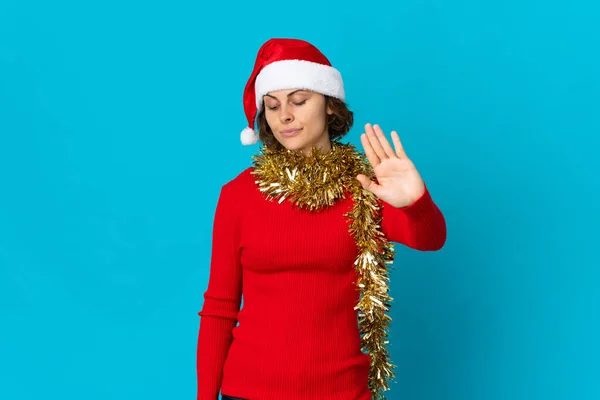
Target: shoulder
{"x": 241, "y": 178}
{"x": 239, "y": 194}
{"x": 243, "y": 182}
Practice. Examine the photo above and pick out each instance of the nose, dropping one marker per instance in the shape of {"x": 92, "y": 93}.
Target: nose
{"x": 285, "y": 116}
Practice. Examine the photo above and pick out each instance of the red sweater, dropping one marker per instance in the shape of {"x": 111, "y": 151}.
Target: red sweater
{"x": 297, "y": 337}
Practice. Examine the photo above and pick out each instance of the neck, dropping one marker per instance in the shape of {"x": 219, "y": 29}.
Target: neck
{"x": 324, "y": 148}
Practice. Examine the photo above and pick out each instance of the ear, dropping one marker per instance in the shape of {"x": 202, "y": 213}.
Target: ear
{"x": 328, "y": 105}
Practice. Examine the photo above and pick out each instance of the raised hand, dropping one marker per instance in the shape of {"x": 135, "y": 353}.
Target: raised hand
{"x": 398, "y": 181}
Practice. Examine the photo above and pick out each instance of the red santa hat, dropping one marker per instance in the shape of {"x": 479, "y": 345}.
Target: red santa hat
{"x": 287, "y": 64}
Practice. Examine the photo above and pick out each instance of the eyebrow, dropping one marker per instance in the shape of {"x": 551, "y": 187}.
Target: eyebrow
{"x": 289, "y": 94}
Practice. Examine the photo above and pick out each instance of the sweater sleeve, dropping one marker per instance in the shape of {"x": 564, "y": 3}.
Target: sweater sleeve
{"x": 420, "y": 226}
{"x": 222, "y": 298}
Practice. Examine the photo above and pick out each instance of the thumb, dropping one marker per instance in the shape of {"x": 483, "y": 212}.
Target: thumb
{"x": 366, "y": 183}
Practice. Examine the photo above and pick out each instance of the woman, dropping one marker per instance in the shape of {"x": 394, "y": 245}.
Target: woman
{"x": 305, "y": 235}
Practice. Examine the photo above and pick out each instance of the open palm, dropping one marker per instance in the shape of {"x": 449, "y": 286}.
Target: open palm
{"x": 398, "y": 181}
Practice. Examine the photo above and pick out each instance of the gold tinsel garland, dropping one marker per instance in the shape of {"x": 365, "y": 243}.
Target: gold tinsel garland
{"x": 316, "y": 181}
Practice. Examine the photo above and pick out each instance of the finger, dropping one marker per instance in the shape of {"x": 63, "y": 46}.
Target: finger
{"x": 384, "y": 142}
{"x": 375, "y": 142}
{"x": 398, "y": 145}
{"x": 369, "y": 152}
{"x": 367, "y": 184}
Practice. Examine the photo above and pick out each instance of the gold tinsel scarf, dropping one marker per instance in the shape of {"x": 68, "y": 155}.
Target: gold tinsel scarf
{"x": 316, "y": 181}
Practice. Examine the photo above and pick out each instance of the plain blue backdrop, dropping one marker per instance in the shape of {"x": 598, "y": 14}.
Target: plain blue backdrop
{"x": 120, "y": 121}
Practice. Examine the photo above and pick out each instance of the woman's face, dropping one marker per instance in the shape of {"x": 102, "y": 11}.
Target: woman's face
{"x": 298, "y": 119}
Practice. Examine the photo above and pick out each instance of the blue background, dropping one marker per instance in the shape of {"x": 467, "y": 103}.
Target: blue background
{"x": 120, "y": 121}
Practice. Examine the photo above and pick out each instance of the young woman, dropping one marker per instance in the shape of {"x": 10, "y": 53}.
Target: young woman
{"x": 305, "y": 234}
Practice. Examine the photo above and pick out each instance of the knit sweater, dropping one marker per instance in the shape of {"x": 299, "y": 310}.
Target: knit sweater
{"x": 296, "y": 337}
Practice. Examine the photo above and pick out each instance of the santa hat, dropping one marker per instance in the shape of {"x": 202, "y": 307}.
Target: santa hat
{"x": 287, "y": 64}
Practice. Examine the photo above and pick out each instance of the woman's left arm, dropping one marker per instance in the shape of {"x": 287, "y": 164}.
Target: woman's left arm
{"x": 409, "y": 214}
{"x": 420, "y": 225}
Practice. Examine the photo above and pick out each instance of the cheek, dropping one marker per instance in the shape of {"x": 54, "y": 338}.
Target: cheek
{"x": 271, "y": 119}
{"x": 316, "y": 119}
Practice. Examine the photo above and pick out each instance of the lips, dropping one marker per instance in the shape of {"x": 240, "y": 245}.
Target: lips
{"x": 290, "y": 132}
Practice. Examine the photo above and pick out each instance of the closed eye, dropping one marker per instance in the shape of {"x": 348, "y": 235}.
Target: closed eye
{"x": 296, "y": 103}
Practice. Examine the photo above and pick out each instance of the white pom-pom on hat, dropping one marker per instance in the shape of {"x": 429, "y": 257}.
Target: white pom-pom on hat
{"x": 287, "y": 64}
{"x": 248, "y": 136}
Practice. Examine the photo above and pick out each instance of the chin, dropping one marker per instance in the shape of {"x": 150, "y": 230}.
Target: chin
{"x": 291, "y": 143}
{"x": 292, "y": 147}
